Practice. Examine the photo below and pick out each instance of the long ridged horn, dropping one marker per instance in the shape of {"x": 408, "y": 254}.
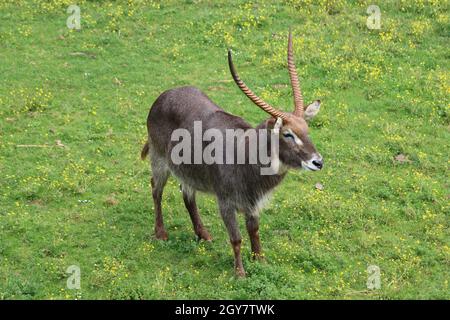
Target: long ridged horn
{"x": 249, "y": 93}
{"x": 298, "y": 98}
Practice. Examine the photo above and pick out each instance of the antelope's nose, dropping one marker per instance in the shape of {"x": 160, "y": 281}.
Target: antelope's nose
{"x": 318, "y": 163}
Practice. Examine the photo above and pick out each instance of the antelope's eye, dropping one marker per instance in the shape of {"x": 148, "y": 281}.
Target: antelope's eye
{"x": 288, "y": 135}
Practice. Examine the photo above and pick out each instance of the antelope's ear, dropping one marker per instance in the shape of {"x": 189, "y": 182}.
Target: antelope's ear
{"x": 273, "y": 123}
{"x": 312, "y": 110}
{"x": 278, "y": 124}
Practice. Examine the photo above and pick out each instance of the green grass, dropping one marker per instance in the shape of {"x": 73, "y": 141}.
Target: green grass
{"x": 385, "y": 92}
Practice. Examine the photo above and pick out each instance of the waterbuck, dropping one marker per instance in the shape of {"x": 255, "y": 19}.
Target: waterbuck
{"x": 238, "y": 187}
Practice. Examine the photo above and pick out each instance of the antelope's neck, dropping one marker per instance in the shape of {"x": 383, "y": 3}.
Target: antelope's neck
{"x": 263, "y": 181}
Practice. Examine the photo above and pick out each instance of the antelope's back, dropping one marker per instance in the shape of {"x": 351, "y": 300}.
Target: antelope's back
{"x": 179, "y": 108}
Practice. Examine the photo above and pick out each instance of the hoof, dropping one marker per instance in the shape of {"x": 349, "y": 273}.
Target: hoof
{"x": 240, "y": 273}
{"x": 204, "y": 235}
{"x": 161, "y": 234}
{"x": 260, "y": 257}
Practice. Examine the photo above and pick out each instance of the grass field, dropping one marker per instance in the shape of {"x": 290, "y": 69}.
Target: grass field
{"x": 73, "y": 107}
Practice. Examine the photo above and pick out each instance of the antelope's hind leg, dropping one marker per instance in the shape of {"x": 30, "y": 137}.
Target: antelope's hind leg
{"x": 160, "y": 174}
{"x": 191, "y": 206}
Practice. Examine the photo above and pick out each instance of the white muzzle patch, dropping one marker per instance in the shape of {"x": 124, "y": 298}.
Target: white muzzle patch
{"x": 313, "y": 164}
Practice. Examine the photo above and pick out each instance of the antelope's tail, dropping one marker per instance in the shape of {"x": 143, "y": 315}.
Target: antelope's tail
{"x": 145, "y": 150}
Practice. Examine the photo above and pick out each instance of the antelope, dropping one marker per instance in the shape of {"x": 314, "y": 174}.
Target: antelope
{"x": 237, "y": 187}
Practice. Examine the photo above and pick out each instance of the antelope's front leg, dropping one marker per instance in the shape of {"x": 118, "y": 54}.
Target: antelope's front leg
{"x": 228, "y": 213}
{"x": 252, "y": 224}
